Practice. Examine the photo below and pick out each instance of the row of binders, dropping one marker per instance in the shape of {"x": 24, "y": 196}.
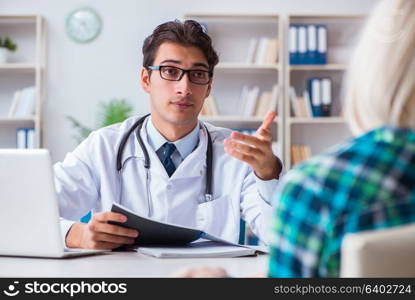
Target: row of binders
{"x": 308, "y": 44}
{"x": 23, "y": 103}
{"x": 316, "y": 101}
{"x": 25, "y": 138}
{"x": 251, "y": 102}
{"x": 299, "y": 153}
{"x": 262, "y": 51}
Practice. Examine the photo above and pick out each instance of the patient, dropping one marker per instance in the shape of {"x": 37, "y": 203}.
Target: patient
{"x": 365, "y": 183}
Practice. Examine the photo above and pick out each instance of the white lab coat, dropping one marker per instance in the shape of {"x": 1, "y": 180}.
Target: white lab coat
{"x": 87, "y": 180}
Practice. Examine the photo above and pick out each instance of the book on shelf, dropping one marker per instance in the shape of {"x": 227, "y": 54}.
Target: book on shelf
{"x": 25, "y": 138}
{"x": 312, "y": 53}
{"x": 295, "y": 112}
{"x": 267, "y": 101}
{"x": 250, "y": 102}
{"x": 23, "y": 103}
{"x": 209, "y": 107}
{"x": 300, "y": 105}
{"x": 326, "y": 98}
{"x": 274, "y": 98}
{"x": 299, "y": 153}
{"x": 263, "y": 104}
{"x": 263, "y": 51}
{"x": 293, "y": 45}
{"x": 314, "y": 88}
{"x": 271, "y": 56}
{"x": 302, "y": 44}
{"x": 322, "y": 44}
{"x": 15, "y": 101}
{"x": 307, "y": 103}
{"x": 307, "y": 44}
{"x": 253, "y": 45}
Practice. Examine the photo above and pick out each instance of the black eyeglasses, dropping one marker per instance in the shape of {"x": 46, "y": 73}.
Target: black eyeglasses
{"x": 171, "y": 73}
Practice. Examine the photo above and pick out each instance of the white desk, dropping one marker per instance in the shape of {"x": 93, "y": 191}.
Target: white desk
{"x": 123, "y": 264}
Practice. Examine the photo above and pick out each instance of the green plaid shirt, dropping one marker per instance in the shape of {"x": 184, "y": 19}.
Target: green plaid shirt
{"x": 366, "y": 183}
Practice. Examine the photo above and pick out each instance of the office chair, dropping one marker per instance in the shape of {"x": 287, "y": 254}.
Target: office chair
{"x": 379, "y": 253}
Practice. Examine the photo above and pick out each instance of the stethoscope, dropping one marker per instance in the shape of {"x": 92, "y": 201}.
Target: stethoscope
{"x": 137, "y": 127}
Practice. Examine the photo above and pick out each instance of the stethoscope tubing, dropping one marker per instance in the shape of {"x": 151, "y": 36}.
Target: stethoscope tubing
{"x": 147, "y": 163}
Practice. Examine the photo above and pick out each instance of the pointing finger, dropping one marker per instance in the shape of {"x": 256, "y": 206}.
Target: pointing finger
{"x": 267, "y": 123}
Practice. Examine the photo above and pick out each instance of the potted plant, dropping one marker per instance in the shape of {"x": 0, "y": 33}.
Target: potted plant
{"x": 111, "y": 112}
{"x": 6, "y": 45}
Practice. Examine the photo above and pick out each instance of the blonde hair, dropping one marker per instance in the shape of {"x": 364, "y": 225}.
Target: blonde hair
{"x": 380, "y": 84}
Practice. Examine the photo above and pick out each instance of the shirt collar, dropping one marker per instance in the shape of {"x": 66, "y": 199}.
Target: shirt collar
{"x": 185, "y": 145}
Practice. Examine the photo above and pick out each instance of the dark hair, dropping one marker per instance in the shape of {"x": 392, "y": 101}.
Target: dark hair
{"x": 187, "y": 33}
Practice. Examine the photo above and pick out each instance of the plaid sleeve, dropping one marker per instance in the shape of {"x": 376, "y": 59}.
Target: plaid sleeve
{"x": 299, "y": 227}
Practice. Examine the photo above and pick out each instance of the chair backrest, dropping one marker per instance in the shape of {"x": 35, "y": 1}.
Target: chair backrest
{"x": 380, "y": 253}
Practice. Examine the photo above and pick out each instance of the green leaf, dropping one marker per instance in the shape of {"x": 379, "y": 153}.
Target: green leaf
{"x": 115, "y": 111}
{"x": 8, "y": 44}
{"x": 83, "y": 131}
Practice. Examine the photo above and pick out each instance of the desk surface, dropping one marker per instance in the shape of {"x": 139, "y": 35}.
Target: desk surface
{"x": 124, "y": 264}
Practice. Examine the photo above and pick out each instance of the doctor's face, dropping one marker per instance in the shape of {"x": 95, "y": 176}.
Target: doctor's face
{"x": 176, "y": 102}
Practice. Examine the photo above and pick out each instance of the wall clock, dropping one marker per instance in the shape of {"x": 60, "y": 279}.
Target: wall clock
{"x": 83, "y": 25}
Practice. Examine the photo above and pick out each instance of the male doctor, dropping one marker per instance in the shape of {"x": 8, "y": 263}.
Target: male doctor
{"x": 177, "y": 72}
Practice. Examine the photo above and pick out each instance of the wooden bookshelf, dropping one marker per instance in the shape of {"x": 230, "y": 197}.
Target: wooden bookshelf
{"x": 27, "y": 67}
{"x": 15, "y": 119}
{"x": 233, "y": 72}
{"x": 327, "y": 67}
{"x": 231, "y": 33}
{"x": 322, "y": 132}
{"x": 320, "y": 120}
{"x": 245, "y": 66}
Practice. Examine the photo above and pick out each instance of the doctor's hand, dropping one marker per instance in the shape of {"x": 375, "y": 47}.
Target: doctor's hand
{"x": 98, "y": 234}
{"x": 256, "y": 150}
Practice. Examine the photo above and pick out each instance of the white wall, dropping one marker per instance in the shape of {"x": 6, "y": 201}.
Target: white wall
{"x": 80, "y": 75}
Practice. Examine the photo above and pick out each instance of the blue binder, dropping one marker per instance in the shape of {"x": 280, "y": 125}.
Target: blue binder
{"x": 293, "y": 44}
{"x": 302, "y": 44}
{"x": 322, "y": 44}
{"x": 326, "y": 97}
{"x": 312, "y": 54}
{"x": 314, "y": 89}
{"x": 21, "y": 138}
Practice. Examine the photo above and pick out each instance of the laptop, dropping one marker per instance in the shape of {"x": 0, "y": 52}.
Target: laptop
{"x": 29, "y": 214}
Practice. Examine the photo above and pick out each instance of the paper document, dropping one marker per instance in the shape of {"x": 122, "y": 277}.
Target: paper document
{"x": 202, "y": 249}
